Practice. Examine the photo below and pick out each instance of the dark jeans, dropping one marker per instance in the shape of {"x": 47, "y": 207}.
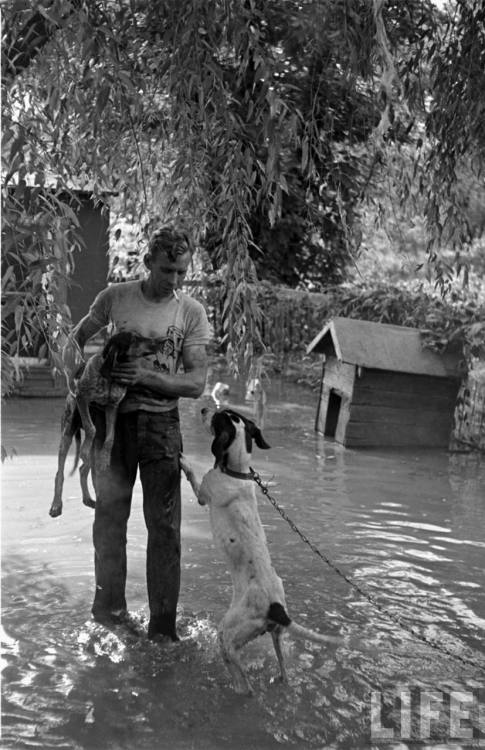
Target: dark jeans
{"x": 151, "y": 441}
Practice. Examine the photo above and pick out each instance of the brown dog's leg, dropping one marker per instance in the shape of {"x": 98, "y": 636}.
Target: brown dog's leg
{"x": 68, "y": 430}
{"x": 83, "y": 473}
{"x": 89, "y": 435}
{"x": 83, "y": 478}
{"x": 66, "y": 440}
{"x": 104, "y": 455}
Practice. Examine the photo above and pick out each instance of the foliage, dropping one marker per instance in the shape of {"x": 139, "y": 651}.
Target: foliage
{"x": 456, "y": 323}
{"x": 454, "y": 122}
{"x": 37, "y": 240}
{"x": 292, "y": 319}
{"x": 469, "y": 427}
{"x": 438, "y": 167}
{"x": 260, "y": 122}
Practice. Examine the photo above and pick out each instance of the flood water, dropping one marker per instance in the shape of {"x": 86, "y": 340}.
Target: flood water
{"x": 407, "y": 527}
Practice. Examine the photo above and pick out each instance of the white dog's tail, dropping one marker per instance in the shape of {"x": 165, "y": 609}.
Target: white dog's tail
{"x": 300, "y": 632}
{"x": 278, "y": 614}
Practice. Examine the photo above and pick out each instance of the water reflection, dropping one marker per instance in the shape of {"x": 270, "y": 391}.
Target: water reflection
{"x": 406, "y": 527}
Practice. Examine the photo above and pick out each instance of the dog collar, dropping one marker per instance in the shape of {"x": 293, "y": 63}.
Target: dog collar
{"x": 237, "y": 474}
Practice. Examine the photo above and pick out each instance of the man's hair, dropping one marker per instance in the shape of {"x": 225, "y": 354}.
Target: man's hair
{"x": 168, "y": 240}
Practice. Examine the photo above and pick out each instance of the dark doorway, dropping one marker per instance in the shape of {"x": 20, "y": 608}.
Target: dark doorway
{"x": 333, "y": 412}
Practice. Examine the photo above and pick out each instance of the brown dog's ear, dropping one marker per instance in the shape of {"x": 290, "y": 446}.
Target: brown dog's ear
{"x": 109, "y": 358}
{"x": 123, "y": 341}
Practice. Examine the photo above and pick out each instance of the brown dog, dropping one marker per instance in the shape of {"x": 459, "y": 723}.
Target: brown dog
{"x": 93, "y": 385}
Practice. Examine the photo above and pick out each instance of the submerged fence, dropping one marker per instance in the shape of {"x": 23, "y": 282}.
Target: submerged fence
{"x": 291, "y": 317}
{"x": 469, "y": 419}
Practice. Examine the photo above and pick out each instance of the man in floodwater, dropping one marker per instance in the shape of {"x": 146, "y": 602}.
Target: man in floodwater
{"x": 147, "y": 428}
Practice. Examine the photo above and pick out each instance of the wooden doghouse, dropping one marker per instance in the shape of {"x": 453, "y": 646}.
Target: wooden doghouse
{"x": 380, "y": 387}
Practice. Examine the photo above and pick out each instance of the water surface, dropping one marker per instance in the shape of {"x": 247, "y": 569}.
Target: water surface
{"x": 407, "y": 527}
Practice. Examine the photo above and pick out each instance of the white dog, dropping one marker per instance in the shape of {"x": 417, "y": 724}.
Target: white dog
{"x": 258, "y": 600}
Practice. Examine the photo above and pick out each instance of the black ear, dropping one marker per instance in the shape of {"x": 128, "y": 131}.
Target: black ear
{"x": 255, "y": 433}
{"x": 123, "y": 341}
{"x": 259, "y": 439}
{"x": 224, "y": 432}
{"x": 220, "y": 444}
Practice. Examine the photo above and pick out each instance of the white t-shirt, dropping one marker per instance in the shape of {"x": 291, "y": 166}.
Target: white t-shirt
{"x": 172, "y": 324}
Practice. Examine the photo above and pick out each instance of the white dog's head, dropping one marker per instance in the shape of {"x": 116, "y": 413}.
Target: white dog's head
{"x": 230, "y": 428}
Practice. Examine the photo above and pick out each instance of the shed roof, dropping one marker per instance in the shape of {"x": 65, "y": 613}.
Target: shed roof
{"x": 382, "y": 346}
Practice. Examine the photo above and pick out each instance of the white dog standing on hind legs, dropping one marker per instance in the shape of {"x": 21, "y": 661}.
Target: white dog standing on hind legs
{"x": 258, "y": 599}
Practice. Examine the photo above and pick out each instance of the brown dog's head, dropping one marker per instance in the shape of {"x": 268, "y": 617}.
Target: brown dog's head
{"x": 227, "y": 426}
{"x": 117, "y": 349}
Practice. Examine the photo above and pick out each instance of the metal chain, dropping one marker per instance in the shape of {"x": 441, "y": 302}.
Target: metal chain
{"x": 390, "y": 615}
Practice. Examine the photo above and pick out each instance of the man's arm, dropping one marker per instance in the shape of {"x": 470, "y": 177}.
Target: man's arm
{"x": 73, "y": 349}
{"x": 189, "y": 384}
{"x": 97, "y": 318}
{"x": 86, "y": 328}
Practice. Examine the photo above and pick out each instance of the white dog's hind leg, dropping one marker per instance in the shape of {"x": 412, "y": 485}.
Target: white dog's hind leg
{"x": 233, "y": 663}
{"x": 234, "y": 633}
{"x": 276, "y": 636}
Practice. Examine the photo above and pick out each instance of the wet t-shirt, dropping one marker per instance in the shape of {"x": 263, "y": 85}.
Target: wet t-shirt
{"x": 168, "y": 326}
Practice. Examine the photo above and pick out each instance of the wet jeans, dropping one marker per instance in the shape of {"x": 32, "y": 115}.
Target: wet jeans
{"x": 151, "y": 441}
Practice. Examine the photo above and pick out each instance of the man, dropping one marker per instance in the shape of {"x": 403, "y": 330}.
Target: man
{"x": 147, "y": 429}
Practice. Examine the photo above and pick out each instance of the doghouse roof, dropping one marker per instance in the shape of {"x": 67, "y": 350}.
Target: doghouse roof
{"x": 381, "y": 346}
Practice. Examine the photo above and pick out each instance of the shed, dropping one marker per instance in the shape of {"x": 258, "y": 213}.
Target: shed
{"x": 380, "y": 387}
{"x": 87, "y": 274}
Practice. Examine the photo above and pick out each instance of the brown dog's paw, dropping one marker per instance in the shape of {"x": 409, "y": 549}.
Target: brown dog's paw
{"x": 89, "y": 502}
{"x": 55, "y": 510}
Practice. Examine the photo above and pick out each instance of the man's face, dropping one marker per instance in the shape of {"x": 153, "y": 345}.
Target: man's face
{"x": 166, "y": 274}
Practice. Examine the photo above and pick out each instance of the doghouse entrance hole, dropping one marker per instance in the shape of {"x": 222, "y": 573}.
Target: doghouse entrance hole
{"x": 333, "y": 412}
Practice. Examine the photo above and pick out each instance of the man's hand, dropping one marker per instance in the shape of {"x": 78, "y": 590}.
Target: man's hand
{"x": 189, "y": 384}
{"x": 131, "y": 373}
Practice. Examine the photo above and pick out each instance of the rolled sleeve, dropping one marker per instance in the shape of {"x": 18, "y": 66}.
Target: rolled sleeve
{"x": 100, "y": 310}
{"x": 198, "y": 331}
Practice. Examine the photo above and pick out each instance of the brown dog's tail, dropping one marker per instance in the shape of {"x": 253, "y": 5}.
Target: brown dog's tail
{"x": 76, "y": 425}
{"x": 77, "y": 438}
{"x": 278, "y": 614}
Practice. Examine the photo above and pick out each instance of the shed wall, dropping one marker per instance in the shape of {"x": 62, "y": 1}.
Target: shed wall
{"x": 396, "y": 409}
{"x": 90, "y": 273}
{"x": 337, "y": 380}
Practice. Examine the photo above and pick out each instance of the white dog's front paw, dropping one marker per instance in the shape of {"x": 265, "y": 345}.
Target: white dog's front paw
{"x": 185, "y": 465}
